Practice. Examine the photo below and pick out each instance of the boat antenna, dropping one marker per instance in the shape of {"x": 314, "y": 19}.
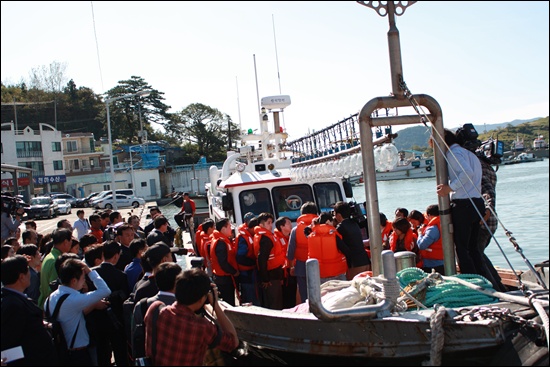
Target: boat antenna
{"x": 276, "y": 56}
{"x": 277, "y": 61}
{"x": 257, "y": 91}
{"x": 238, "y": 103}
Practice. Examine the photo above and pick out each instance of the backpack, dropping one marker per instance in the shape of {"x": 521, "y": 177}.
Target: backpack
{"x": 56, "y": 331}
{"x": 138, "y": 329}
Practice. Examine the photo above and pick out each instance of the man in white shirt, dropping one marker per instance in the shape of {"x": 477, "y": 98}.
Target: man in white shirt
{"x": 72, "y": 274}
{"x": 81, "y": 224}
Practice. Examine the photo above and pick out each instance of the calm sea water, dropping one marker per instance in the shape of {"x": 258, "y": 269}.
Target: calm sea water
{"x": 522, "y": 206}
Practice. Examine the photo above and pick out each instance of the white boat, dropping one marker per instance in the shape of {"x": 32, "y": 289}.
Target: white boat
{"x": 410, "y": 168}
{"x": 504, "y": 329}
{"x": 522, "y": 158}
{"x": 540, "y": 143}
{"x": 518, "y": 145}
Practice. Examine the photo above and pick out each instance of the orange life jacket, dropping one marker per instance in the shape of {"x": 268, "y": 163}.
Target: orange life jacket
{"x": 322, "y": 246}
{"x": 409, "y": 241}
{"x": 218, "y": 237}
{"x": 245, "y": 234}
{"x": 276, "y": 256}
{"x": 205, "y": 242}
{"x": 435, "y": 251}
{"x": 387, "y": 231}
{"x": 198, "y": 240}
{"x": 283, "y": 240}
{"x": 303, "y": 221}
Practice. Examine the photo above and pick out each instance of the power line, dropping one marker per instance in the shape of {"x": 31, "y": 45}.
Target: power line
{"x": 97, "y": 47}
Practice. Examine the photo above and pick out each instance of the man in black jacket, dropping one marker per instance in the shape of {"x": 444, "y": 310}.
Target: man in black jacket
{"x": 358, "y": 261}
{"x": 111, "y": 336}
{"x": 22, "y": 319}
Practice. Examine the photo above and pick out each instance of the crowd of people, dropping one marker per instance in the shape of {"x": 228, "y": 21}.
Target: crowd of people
{"x": 107, "y": 265}
{"x": 100, "y": 263}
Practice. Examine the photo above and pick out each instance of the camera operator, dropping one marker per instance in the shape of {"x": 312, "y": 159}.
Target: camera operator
{"x": 351, "y": 234}
{"x": 182, "y": 338}
{"x": 464, "y": 188}
{"x": 11, "y": 217}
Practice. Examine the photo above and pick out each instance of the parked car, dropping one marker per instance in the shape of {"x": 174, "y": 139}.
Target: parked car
{"x": 42, "y": 206}
{"x": 128, "y": 192}
{"x": 107, "y": 202}
{"x": 71, "y": 199}
{"x": 85, "y": 202}
{"x": 63, "y": 205}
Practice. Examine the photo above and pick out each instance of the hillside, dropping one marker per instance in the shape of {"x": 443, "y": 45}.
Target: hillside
{"x": 507, "y": 132}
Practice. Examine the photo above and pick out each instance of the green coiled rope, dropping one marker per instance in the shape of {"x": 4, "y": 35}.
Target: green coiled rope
{"x": 446, "y": 293}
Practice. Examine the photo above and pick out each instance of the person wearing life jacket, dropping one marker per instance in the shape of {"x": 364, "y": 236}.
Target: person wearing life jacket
{"x": 270, "y": 262}
{"x": 385, "y": 230}
{"x": 417, "y": 220}
{"x": 246, "y": 261}
{"x": 223, "y": 255}
{"x": 358, "y": 259}
{"x": 429, "y": 242}
{"x": 326, "y": 245}
{"x": 283, "y": 227}
{"x": 297, "y": 246}
{"x": 403, "y": 238}
{"x": 197, "y": 245}
{"x": 204, "y": 240}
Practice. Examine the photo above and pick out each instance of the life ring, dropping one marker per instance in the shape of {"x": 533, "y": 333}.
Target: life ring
{"x": 429, "y": 168}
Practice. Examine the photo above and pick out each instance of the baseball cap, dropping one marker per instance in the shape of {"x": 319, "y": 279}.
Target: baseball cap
{"x": 248, "y": 216}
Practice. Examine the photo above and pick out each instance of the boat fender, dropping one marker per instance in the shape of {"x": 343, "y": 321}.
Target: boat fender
{"x": 429, "y": 168}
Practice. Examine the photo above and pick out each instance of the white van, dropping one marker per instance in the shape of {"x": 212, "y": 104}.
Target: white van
{"x": 102, "y": 194}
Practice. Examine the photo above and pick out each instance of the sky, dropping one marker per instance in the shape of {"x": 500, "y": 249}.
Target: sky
{"x": 484, "y": 62}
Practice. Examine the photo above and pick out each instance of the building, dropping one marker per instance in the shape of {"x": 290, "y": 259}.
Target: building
{"x": 70, "y": 163}
{"x": 39, "y": 150}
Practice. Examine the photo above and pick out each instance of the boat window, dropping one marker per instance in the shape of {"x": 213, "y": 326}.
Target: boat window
{"x": 326, "y": 195}
{"x": 255, "y": 201}
{"x": 289, "y": 199}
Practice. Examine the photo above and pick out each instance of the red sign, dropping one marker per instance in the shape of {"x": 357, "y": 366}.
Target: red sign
{"x": 21, "y": 181}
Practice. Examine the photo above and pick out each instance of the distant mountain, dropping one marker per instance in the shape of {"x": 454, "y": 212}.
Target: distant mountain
{"x": 419, "y": 135}
{"x": 488, "y": 127}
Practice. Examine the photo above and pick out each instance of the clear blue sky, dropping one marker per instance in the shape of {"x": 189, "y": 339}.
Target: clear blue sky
{"x": 484, "y": 62}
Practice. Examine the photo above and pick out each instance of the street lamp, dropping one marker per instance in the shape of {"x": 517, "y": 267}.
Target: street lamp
{"x": 111, "y": 158}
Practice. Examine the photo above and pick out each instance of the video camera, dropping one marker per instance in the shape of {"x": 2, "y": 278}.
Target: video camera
{"x": 356, "y": 214}
{"x": 491, "y": 150}
{"x": 11, "y": 204}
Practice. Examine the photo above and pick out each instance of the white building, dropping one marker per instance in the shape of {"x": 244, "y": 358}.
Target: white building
{"x": 70, "y": 163}
{"x": 40, "y": 150}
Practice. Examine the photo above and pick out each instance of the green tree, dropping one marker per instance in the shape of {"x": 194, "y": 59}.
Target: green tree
{"x": 206, "y": 127}
{"x": 125, "y": 112}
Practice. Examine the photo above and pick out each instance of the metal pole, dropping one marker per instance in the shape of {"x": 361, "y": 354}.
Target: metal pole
{"x": 113, "y": 189}
{"x": 15, "y": 113}
{"x": 132, "y": 169}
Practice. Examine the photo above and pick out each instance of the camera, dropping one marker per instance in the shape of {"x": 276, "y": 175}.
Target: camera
{"x": 197, "y": 262}
{"x": 491, "y": 150}
{"x": 467, "y": 137}
{"x": 356, "y": 214}
{"x": 11, "y": 204}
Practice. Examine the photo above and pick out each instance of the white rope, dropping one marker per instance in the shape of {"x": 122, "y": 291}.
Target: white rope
{"x": 438, "y": 337}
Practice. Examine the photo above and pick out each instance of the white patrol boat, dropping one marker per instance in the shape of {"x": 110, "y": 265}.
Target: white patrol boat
{"x": 261, "y": 178}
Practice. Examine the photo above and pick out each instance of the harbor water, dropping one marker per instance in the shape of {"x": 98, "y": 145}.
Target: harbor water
{"x": 521, "y": 205}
